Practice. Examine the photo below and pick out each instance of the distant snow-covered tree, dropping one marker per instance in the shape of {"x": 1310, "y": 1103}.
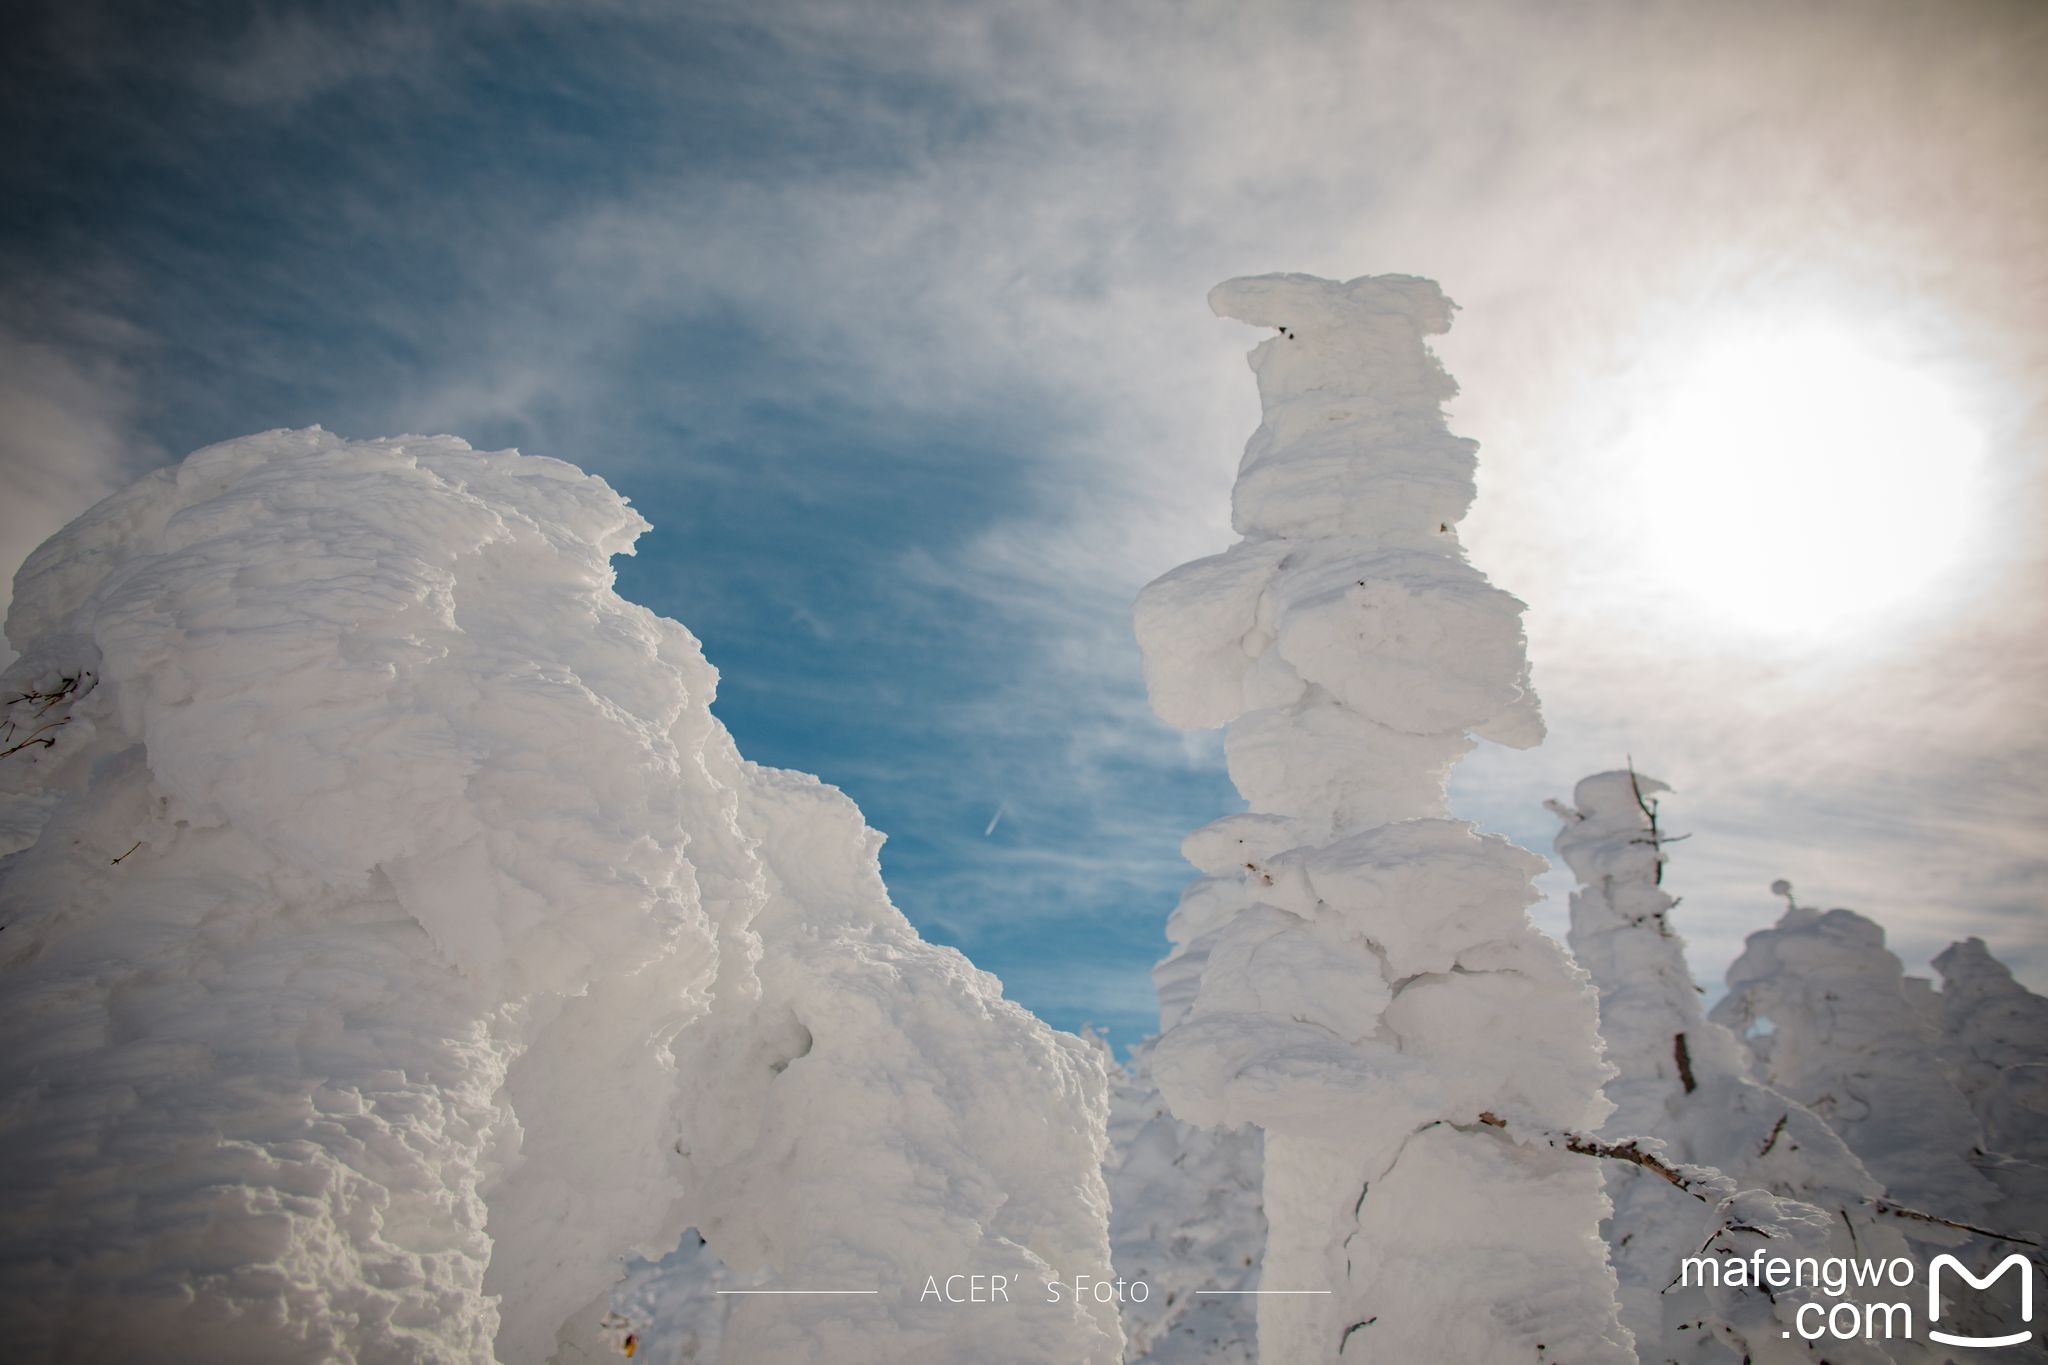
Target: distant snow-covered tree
{"x": 1852, "y": 1038}
{"x": 1848, "y": 1042}
{"x": 1687, "y": 1082}
{"x": 1995, "y": 1031}
{"x": 1355, "y": 972}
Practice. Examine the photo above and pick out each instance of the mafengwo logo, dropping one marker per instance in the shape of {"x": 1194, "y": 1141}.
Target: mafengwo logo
{"x": 2015, "y": 1263}
{"x": 1840, "y": 1313}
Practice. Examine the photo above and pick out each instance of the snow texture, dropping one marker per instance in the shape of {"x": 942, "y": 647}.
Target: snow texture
{"x": 1184, "y": 1216}
{"x": 401, "y": 943}
{"x": 1687, "y": 1083}
{"x": 1356, "y": 973}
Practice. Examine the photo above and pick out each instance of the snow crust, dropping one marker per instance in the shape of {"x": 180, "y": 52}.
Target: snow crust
{"x": 400, "y": 943}
{"x": 1356, "y": 973}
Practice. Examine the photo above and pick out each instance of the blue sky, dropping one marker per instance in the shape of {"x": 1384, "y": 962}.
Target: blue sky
{"x": 890, "y": 318}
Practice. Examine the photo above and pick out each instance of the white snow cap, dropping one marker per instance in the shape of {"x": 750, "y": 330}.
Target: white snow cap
{"x": 1354, "y": 971}
{"x": 402, "y": 943}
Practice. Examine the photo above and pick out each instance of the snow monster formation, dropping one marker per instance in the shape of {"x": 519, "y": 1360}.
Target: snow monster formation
{"x": 1847, "y": 1040}
{"x": 1355, "y": 972}
{"x": 1995, "y": 1034}
{"x": 402, "y": 943}
{"x": 1686, "y": 1083}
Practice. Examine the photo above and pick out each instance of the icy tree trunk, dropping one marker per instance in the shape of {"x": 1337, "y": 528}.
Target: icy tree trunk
{"x": 402, "y": 942}
{"x": 1356, "y": 973}
{"x": 1686, "y": 1082}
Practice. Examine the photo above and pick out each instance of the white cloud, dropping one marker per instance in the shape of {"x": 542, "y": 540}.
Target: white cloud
{"x": 1009, "y": 215}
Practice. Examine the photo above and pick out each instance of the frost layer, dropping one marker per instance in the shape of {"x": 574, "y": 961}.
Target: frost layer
{"x": 402, "y": 942}
{"x": 1356, "y": 973}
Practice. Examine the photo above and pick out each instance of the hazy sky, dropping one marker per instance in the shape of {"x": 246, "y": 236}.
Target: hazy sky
{"x": 890, "y": 317}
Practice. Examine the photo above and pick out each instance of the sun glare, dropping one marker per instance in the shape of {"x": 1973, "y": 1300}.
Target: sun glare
{"x": 1804, "y": 484}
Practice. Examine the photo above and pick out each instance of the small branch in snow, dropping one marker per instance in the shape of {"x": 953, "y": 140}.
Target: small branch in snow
{"x": 1685, "y": 1065}
{"x": 39, "y": 737}
{"x": 1691, "y": 1179}
{"x": 1345, "y": 1340}
{"x": 131, "y": 848}
{"x": 1901, "y": 1211}
{"x": 1649, "y": 810}
{"x": 1776, "y": 1129}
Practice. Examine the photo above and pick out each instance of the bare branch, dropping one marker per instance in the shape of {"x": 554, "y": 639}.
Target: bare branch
{"x": 1649, "y": 810}
{"x": 1691, "y": 1179}
{"x": 1901, "y": 1211}
{"x": 1776, "y": 1129}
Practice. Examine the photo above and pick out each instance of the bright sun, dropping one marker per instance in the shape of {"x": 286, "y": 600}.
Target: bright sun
{"x": 1802, "y": 483}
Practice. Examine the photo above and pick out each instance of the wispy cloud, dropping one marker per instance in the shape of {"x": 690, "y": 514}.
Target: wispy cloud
{"x": 892, "y": 316}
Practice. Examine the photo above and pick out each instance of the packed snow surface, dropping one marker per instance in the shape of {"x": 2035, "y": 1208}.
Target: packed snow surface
{"x": 1356, "y": 973}
{"x": 399, "y": 943}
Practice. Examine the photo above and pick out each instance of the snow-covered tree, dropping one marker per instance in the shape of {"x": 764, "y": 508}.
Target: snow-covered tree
{"x": 1856, "y": 1042}
{"x": 1994, "y": 1035}
{"x": 1995, "y": 1032}
{"x": 402, "y": 942}
{"x": 1847, "y": 1041}
{"x": 1687, "y": 1082}
{"x": 1356, "y": 973}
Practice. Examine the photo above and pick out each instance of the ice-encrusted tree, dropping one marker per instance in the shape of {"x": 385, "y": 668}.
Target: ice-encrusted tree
{"x": 1687, "y": 1083}
{"x": 402, "y": 942}
{"x": 1356, "y": 973}
{"x": 1995, "y": 1033}
{"x": 1846, "y": 1040}
{"x": 1852, "y": 1036}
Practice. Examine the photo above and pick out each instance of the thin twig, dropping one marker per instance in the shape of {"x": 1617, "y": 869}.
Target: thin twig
{"x": 1649, "y": 810}
{"x": 1627, "y": 1150}
{"x": 1901, "y": 1211}
{"x": 38, "y": 738}
{"x": 1776, "y": 1129}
